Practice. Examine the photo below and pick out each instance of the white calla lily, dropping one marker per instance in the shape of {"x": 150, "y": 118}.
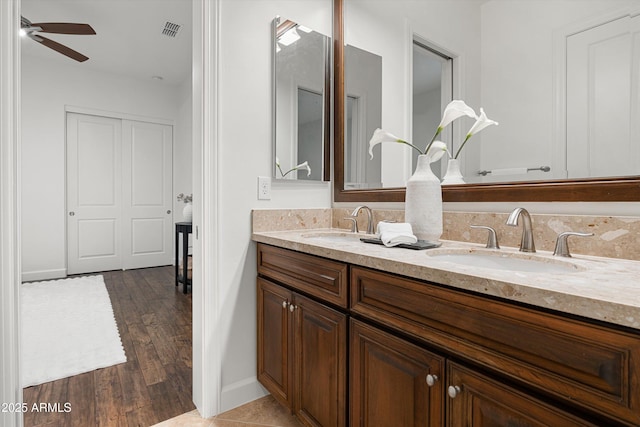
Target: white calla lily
{"x": 436, "y": 151}
{"x": 455, "y": 110}
{"x": 380, "y": 136}
{"x": 481, "y": 122}
{"x": 303, "y": 165}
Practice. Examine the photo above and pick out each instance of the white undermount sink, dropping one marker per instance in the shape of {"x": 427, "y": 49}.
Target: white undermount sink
{"x": 506, "y": 261}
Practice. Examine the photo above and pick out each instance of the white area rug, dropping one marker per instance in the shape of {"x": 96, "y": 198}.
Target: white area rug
{"x": 68, "y": 328}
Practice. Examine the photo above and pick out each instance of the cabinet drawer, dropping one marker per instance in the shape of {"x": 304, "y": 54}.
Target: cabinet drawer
{"x": 580, "y": 363}
{"x": 319, "y": 277}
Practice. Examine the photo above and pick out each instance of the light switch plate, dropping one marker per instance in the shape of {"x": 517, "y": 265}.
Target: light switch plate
{"x": 264, "y": 188}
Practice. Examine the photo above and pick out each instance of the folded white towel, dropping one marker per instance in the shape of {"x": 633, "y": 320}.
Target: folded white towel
{"x": 395, "y": 233}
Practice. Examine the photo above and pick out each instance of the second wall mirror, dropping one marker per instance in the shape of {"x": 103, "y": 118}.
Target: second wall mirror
{"x": 301, "y": 97}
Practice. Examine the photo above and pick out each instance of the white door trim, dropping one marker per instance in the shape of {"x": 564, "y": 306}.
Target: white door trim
{"x": 207, "y": 354}
{"x": 10, "y": 390}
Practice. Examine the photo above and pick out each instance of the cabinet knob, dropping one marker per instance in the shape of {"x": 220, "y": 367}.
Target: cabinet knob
{"x": 292, "y": 307}
{"x": 453, "y": 391}
{"x": 431, "y": 380}
{"x": 284, "y": 304}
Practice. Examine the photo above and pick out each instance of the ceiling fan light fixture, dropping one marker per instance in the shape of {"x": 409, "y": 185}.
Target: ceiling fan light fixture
{"x": 30, "y": 30}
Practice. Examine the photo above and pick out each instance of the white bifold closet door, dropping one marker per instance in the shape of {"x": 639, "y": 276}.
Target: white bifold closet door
{"x": 119, "y": 194}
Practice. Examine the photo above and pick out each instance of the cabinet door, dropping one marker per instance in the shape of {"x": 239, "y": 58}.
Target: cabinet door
{"x": 475, "y": 400}
{"x": 275, "y": 341}
{"x": 392, "y": 382}
{"x": 320, "y": 363}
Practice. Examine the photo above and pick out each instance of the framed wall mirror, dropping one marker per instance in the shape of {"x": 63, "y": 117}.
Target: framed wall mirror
{"x": 301, "y": 102}
{"x": 518, "y": 60}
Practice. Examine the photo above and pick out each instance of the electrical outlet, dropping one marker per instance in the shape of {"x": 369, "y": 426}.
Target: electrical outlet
{"x": 264, "y": 188}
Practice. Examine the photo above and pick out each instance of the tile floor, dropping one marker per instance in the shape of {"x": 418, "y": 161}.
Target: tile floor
{"x": 259, "y": 413}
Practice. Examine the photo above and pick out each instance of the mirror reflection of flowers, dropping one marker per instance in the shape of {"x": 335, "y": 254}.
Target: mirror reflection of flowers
{"x": 436, "y": 149}
{"x": 481, "y": 122}
{"x": 188, "y": 198}
{"x": 303, "y": 165}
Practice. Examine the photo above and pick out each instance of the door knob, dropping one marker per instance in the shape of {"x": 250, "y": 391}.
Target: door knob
{"x": 168, "y": 211}
{"x": 72, "y": 213}
{"x": 453, "y": 391}
{"x": 431, "y": 380}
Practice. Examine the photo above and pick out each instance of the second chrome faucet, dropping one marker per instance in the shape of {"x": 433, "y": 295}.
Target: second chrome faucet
{"x": 526, "y": 244}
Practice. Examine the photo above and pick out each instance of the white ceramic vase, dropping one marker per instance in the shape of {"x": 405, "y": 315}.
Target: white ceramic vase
{"x": 423, "y": 202}
{"x": 453, "y": 175}
{"x": 187, "y": 213}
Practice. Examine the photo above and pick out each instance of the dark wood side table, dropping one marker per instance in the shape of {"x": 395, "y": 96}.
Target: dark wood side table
{"x": 185, "y": 229}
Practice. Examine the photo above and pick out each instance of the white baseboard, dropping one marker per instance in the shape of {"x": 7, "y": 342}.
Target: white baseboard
{"x": 30, "y": 276}
{"x": 240, "y": 392}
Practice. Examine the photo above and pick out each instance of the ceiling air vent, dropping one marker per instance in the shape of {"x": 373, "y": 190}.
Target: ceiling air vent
{"x": 170, "y": 29}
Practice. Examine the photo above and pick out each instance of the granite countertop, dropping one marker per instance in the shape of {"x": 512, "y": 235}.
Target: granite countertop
{"x": 605, "y": 289}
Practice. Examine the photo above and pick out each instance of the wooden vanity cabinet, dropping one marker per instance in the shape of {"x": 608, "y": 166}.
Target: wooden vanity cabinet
{"x": 396, "y": 383}
{"x": 302, "y": 341}
{"x": 423, "y": 354}
{"x": 393, "y": 382}
{"x": 477, "y": 400}
{"x": 580, "y": 366}
{"x": 275, "y": 341}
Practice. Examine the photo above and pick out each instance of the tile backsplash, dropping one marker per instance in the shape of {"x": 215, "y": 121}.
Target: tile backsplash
{"x": 614, "y": 237}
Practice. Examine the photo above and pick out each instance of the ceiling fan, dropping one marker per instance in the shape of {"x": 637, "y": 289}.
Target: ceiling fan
{"x": 30, "y": 29}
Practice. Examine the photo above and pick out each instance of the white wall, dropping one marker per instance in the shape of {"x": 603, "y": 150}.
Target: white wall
{"x": 245, "y": 152}
{"x": 47, "y": 87}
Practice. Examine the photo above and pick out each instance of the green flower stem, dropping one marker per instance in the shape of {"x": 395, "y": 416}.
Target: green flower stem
{"x": 287, "y": 172}
{"x": 464, "y": 142}
{"x": 410, "y": 145}
{"x": 426, "y": 150}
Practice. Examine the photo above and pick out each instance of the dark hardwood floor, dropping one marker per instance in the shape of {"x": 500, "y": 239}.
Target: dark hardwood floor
{"x": 154, "y": 320}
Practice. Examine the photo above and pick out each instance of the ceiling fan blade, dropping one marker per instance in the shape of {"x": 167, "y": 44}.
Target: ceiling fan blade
{"x": 64, "y": 28}
{"x": 60, "y": 48}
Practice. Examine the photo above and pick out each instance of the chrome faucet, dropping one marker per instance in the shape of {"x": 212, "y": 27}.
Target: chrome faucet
{"x": 526, "y": 244}
{"x": 367, "y": 209}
